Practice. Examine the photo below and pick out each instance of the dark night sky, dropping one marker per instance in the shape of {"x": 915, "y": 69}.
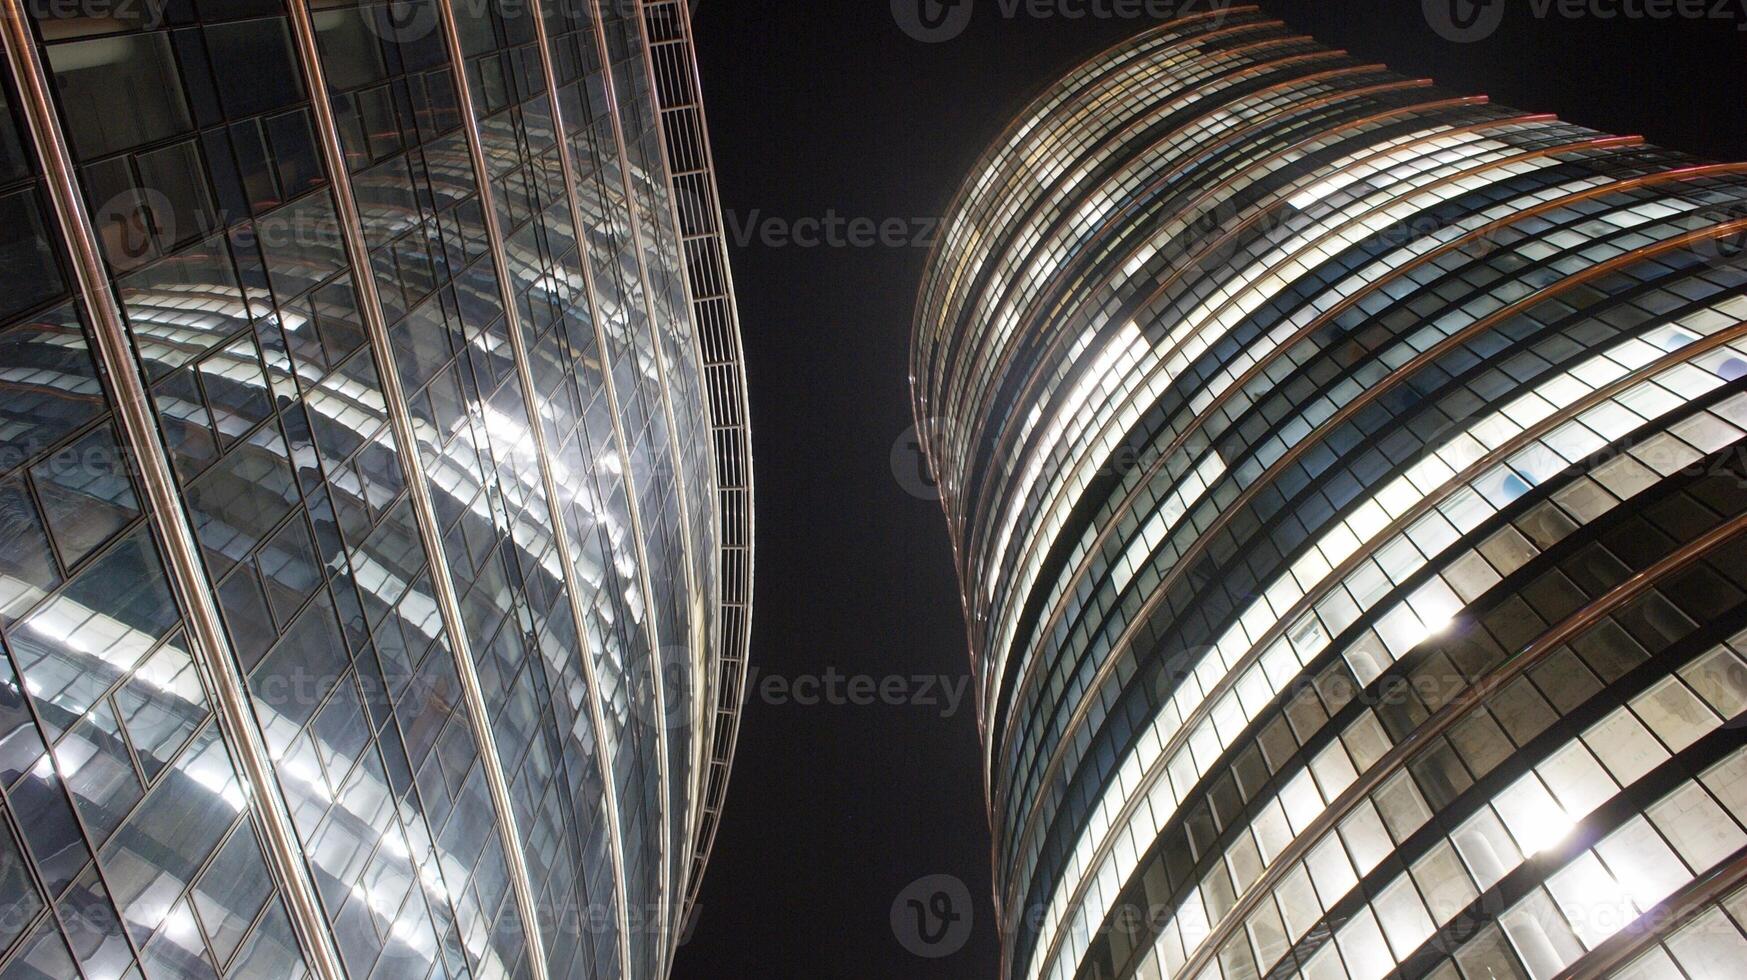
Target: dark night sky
{"x": 820, "y": 108}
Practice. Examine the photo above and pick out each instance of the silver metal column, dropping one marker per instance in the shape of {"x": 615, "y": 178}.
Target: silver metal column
{"x": 710, "y": 286}
{"x": 424, "y": 512}
{"x": 524, "y": 373}
{"x": 597, "y": 715}
{"x": 613, "y": 104}
{"x": 470, "y": 125}
{"x": 696, "y": 727}
{"x": 144, "y": 445}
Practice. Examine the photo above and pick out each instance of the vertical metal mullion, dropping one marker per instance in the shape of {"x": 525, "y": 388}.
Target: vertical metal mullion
{"x": 597, "y": 715}
{"x": 736, "y": 397}
{"x": 673, "y": 448}
{"x": 697, "y": 727}
{"x": 705, "y": 715}
{"x": 412, "y": 465}
{"x": 476, "y": 151}
{"x": 495, "y": 239}
{"x": 144, "y": 444}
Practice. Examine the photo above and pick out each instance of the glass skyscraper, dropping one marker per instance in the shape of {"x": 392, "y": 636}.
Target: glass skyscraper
{"x": 375, "y": 504}
{"x": 1348, "y": 487}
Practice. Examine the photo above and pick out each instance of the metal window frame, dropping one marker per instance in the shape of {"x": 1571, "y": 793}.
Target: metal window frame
{"x": 684, "y": 126}
{"x": 143, "y": 443}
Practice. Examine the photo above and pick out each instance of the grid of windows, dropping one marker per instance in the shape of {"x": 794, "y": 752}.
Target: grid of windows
{"x": 349, "y": 611}
{"x": 1342, "y": 472}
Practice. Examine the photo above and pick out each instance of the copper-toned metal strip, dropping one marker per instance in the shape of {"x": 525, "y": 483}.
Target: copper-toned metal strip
{"x": 1667, "y": 916}
{"x": 1447, "y": 716}
{"x": 962, "y": 196}
{"x": 1429, "y": 503}
{"x": 959, "y": 512}
{"x": 1025, "y": 680}
{"x": 1405, "y": 370}
{"x": 962, "y": 385}
{"x": 1255, "y": 369}
{"x": 661, "y": 733}
{"x": 699, "y": 719}
{"x": 1064, "y": 285}
{"x": 1425, "y": 505}
{"x": 1028, "y": 679}
{"x": 412, "y": 465}
{"x": 495, "y": 779}
{"x": 140, "y": 435}
{"x": 476, "y": 152}
{"x": 993, "y": 682}
{"x": 967, "y": 389}
{"x": 1395, "y": 377}
{"x": 971, "y": 278}
{"x": 671, "y": 889}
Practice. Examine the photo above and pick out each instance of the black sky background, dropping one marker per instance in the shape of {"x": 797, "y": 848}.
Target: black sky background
{"x": 822, "y": 107}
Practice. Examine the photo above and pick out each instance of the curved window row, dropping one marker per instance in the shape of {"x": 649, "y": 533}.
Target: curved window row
{"x": 1217, "y": 719}
{"x": 1558, "y": 687}
{"x": 1284, "y": 410}
{"x": 1356, "y": 231}
{"x": 1380, "y": 115}
{"x": 1138, "y": 488}
{"x": 1582, "y": 329}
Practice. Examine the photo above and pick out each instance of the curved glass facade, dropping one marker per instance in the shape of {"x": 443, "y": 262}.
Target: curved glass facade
{"x": 363, "y": 607}
{"x": 1348, "y": 486}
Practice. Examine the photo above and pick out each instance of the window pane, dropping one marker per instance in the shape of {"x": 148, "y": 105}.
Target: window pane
{"x": 118, "y": 92}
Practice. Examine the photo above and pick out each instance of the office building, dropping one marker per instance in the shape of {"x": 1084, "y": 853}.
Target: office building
{"x": 374, "y": 484}
{"x": 1346, "y": 484}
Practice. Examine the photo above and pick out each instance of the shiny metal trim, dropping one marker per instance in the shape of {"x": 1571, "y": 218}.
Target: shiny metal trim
{"x": 476, "y": 152}
{"x": 1396, "y": 758}
{"x": 1005, "y": 784}
{"x": 725, "y": 379}
{"x": 1347, "y": 410}
{"x": 424, "y": 511}
{"x": 968, "y": 195}
{"x": 1687, "y": 903}
{"x": 132, "y": 407}
{"x": 1127, "y": 505}
{"x": 1430, "y": 501}
{"x": 1002, "y": 714}
{"x": 524, "y": 371}
{"x": 661, "y": 734}
{"x": 702, "y": 647}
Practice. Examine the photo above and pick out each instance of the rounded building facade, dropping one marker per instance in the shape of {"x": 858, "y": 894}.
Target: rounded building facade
{"x": 373, "y": 488}
{"x": 1347, "y": 481}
